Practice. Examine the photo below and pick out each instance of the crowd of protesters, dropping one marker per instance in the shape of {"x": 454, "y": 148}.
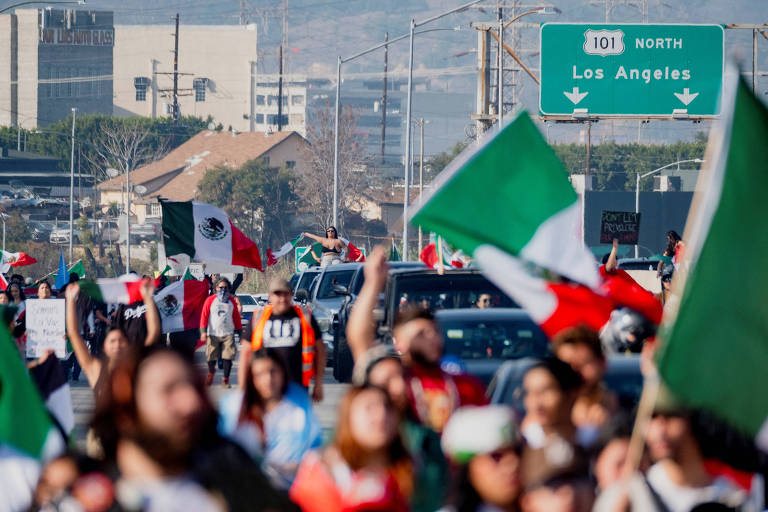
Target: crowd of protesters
{"x": 408, "y": 436}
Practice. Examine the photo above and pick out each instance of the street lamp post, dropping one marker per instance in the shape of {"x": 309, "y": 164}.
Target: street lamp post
{"x": 639, "y": 176}
{"x": 72, "y": 187}
{"x": 408, "y": 142}
{"x": 3, "y": 217}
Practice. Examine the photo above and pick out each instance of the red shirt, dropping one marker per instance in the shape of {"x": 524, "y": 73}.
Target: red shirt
{"x": 435, "y": 394}
{"x": 617, "y": 272}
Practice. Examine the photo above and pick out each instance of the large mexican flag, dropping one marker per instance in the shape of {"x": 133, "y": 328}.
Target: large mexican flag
{"x": 206, "y": 233}
{"x": 714, "y": 351}
{"x": 511, "y": 193}
{"x": 181, "y": 303}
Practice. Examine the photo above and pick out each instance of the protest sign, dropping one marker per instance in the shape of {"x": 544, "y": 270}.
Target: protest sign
{"x": 625, "y": 226}
{"x": 45, "y": 327}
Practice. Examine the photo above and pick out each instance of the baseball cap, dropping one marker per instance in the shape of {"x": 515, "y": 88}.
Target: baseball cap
{"x": 461, "y": 441}
{"x": 278, "y": 284}
{"x": 369, "y": 359}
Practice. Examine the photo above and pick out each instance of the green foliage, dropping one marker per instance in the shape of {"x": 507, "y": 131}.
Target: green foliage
{"x": 259, "y": 199}
{"x": 86, "y": 236}
{"x": 616, "y": 165}
{"x": 55, "y": 139}
{"x": 17, "y": 232}
{"x": 437, "y": 163}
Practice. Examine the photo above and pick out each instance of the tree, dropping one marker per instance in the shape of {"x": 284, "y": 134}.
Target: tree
{"x": 315, "y": 184}
{"x": 437, "y": 163}
{"x": 259, "y": 199}
{"x": 125, "y": 146}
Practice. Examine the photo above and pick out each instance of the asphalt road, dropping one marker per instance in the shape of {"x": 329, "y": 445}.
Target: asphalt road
{"x": 82, "y": 399}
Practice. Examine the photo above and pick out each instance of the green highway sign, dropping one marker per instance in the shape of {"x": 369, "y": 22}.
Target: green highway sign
{"x": 619, "y": 70}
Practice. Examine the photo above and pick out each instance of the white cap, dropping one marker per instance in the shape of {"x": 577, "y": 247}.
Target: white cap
{"x": 477, "y": 430}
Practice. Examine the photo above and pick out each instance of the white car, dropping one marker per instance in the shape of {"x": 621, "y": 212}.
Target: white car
{"x": 249, "y": 305}
{"x": 60, "y": 235}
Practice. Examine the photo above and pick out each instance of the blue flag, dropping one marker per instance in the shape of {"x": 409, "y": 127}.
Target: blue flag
{"x": 62, "y": 278}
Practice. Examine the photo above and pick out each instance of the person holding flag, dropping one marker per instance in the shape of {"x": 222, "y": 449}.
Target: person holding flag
{"x": 333, "y": 246}
{"x": 219, "y": 325}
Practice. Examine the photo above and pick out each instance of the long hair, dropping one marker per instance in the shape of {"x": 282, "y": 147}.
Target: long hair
{"x": 22, "y": 297}
{"x": 464, "y": 496}
{"x": 253, "y": 407}
{"x": 398, "y": 461}
{"x": 673, "y": 239}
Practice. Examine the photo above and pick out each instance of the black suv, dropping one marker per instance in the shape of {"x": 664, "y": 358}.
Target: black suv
{"x": 412, "y": 283}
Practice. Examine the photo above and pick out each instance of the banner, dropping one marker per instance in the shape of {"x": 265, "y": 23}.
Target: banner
{"x": 46, "y": 329}
{"x": 624, "y": 226}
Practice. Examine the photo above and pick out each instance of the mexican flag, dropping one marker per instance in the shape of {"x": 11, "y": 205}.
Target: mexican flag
{"x": 206, "y": 233}
{"x": 123, "y": 290}
{"x": 287, "y": 247}
{"x": 24, "y": 421}
{"x": 180, "y": 304}
{"x": 307, "y": 259}
{"x": 511, "y": 192}
{"x": 714, "y": 340}
{"x": 353, "y": 253}
{"x": 14, "y": 259}
{"x": 430, "y": 255}
{"x": 3, "y": 282}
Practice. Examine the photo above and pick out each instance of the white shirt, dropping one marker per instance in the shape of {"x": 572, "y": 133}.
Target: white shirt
{"x": 683, "y": 499}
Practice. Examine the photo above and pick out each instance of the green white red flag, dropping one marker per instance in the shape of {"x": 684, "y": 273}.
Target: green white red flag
{"x": 14, "y": 259}
{"x": 180, "y": 304}
{"x": 510, "y": 192}
{"x": 287, "y": 247}
{"x": 122, "y": 290}
{"x": 714, "y": 339}
{"x": 205, "y": 233}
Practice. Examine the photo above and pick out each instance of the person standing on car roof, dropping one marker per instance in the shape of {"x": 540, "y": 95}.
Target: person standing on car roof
{"x": 294, "y": 335}
{"x": 332, "y": 246}
{"x": 219, "y": 325}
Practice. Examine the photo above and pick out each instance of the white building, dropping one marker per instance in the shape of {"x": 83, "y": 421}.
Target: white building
{"x": 216, "y": 64}
{"x": 294, "y": 96}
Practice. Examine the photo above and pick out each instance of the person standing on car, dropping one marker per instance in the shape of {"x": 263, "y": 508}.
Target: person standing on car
{"x": 219, "y": 324}
{"x": 294, "y": 335}
{"x": 332, "y": 246}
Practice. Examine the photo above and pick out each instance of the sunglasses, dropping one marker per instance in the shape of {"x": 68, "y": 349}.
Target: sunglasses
{"x": 330, "y": 231}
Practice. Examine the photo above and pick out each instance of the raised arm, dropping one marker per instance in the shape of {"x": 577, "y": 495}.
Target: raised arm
{"x": 154, "y": 326}
{"x": 328, "y": 243}
{"x": 361, "y": 326}
{"x": 612, "y": 262}
{"x": 91, "y": 366}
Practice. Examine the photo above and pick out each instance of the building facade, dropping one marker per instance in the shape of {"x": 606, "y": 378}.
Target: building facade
{"x": 216, "y": 72}
{"x": 294, "y": 108}
{"x": 54, "y": 60}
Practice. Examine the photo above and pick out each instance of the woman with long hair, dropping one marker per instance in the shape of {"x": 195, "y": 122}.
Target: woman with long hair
{"x": 366, "y": 467}
{"x": 115, "y": 344}
{"x": 274, "y": 419}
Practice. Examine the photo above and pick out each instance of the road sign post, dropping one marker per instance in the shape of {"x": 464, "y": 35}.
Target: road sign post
{"x": 630, "y": 71}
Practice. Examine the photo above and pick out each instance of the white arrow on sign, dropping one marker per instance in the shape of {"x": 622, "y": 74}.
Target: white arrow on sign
{"x": 575, "y": 96}
{"x": 686, "y": 97}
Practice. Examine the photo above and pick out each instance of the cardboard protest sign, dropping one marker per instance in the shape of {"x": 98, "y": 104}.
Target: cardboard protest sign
{"x": 45, "y": 327}
{"x": 625, "y": 226}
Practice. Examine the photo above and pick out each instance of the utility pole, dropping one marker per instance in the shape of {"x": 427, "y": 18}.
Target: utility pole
{"x": 243, "y": 20}
{"x": 280, "y": 76}
{"x": 421, "y": 171}
{"x": 589, "y": 147}
{"x": 176, "y": 72}
{"x": 500, "y": 78}
{"x": 384, "y": 101}
{"x": 72, "y": 188}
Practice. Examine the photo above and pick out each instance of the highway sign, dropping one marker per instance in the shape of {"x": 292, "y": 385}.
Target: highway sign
{"x": 621, "y": 70}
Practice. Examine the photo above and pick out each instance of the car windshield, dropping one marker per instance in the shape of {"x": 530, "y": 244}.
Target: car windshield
{"x": 246, "y": 300}
{"x": 331, "y": 279}
{"x": 305, "y": 281}
{"x": 450, "y": 291}
{"x": 494, "y": 339}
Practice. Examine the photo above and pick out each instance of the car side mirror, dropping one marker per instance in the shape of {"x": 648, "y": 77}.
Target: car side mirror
{"x": 301, "y": 296}
{"x": 340, "y": 290}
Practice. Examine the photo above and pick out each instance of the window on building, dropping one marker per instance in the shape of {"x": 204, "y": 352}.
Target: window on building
{"x": 199, "y": 85}
{"x": 85, "y": 84}
{"x": 154, "y": 210}
{"x": 141, "y": 83}
{"x": 272, "y": 100}
{"x": 260, "y": 99}
{"x": 297, "y": 99}
{"x": 259, "y": 118}
{"x": 290, "y": 164}
{"x": 272, "y": 119}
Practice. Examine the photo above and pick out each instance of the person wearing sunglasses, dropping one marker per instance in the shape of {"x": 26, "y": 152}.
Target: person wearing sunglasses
{"x": 219, "y": 326}
{"x": 333, "y": 246}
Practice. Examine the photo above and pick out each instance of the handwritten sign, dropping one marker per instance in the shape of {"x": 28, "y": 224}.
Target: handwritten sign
{"x": 45, "y": 327}
{"x": 625, "y": 226}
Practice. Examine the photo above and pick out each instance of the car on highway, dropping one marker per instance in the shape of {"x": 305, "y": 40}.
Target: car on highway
{"x": 622, "y": 376}
{"x": 249, "y": 305}
{"x": 60, "y": 235}
{"x": 481, "y": 340}
{"x": 327, "y": 296}
{"x": 342, "y": 357}
{"x": 304, "y": 282}
{"x": 144, "y": 232}
{"x": 40, "y": 232}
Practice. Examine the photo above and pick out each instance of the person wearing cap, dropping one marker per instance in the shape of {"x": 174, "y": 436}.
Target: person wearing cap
{"x": 219, "y": 324}
{"x": 333, "y": 246}
{"x": 489, "y": 476}
{"x": 294, "y": 335}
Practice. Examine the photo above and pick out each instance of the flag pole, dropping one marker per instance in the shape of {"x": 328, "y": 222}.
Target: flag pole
{"x": 440, "y": 266}
{"x": 642, "y": 419}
